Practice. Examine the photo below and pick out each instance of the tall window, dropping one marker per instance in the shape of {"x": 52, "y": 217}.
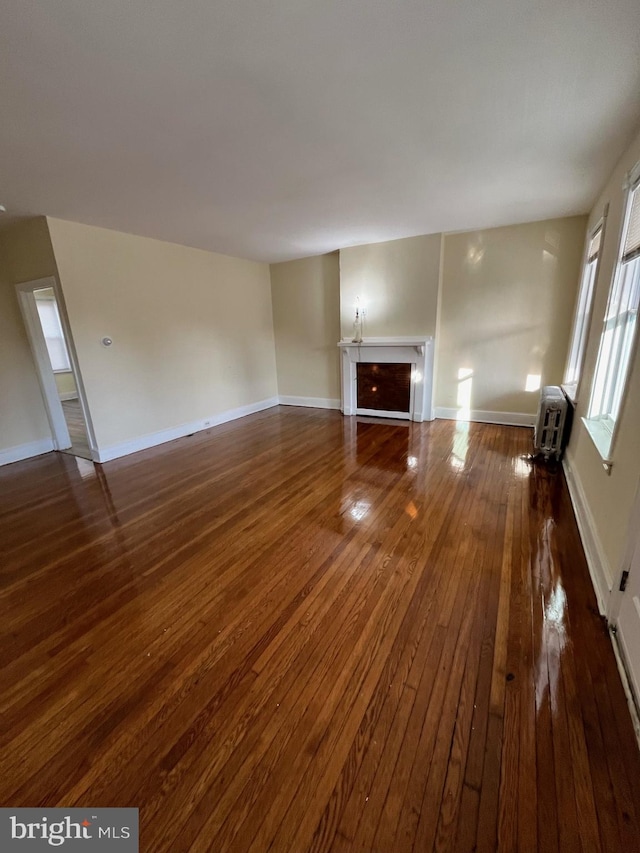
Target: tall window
{"x": 618, "y": 333}
{"x": 53, "y": 336}
{"x": 583, "y": 313}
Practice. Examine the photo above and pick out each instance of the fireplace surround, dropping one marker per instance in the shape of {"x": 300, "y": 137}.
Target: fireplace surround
{"x": 416, "y": 352}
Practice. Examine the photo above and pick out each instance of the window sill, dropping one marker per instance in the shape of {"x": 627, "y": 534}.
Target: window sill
{"x": 601, "y": 433}
{"x": 570, "y": 391}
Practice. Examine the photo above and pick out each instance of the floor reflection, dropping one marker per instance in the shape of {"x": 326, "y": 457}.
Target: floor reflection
{"x": 549, "y": 591}
{"x": 359, "y": 509}
{"x": 522, "y": 466}
{"x": 379, "y": 452}
{"x": 373, "y": 440}
{"x": 460, "y": 445}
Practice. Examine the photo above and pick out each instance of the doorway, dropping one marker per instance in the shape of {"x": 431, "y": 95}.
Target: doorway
{"x": 626, "y": 608}
{"x": 56, "y": 363}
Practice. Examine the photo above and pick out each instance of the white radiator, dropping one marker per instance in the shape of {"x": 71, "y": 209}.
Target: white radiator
{"x": 550, "y": 423}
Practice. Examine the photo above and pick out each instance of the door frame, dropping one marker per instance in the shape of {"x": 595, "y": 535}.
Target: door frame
{"x": 631, "y": 545}
{"x": 630, "y": 563}
{"x": 55, "y": 413}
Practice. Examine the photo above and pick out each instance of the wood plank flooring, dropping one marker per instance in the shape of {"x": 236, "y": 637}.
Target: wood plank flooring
{"x": 303, "y": 632}
{"x": 77, "y": 429}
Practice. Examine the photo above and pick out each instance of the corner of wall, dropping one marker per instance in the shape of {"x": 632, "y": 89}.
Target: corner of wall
{"x": 436, "y": 347}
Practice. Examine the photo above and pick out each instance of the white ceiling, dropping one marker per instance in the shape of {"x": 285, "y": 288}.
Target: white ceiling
{"x": 284, "y": 128}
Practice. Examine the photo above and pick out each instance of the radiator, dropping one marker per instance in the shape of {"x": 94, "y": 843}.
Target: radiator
{"x": 550, "y": 423}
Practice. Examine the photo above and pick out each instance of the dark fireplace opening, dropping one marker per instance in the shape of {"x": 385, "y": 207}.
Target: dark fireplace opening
{"x": 384, "y": 387}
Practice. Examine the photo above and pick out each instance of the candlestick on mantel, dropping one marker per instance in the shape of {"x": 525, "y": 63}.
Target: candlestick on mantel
{"x": 358, "y": 324}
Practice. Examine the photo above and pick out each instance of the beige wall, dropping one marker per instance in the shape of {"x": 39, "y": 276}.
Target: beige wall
{"x": 192, "y": 331}
{"x": 397, "y": 282}
{"x": 306, "y": 321}
{"x": 25, "y": 254}
{"x": 506, "y": 309}
{"x": 609, "y": 497}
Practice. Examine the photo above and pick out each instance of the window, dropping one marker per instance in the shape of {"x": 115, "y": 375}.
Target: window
{"x": 583, "y": 313}
{"x": 618, "y": 333}
{"x": 53, "y": 336}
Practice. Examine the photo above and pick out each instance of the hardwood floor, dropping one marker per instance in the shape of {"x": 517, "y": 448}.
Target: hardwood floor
{"x": 301, "y": 632}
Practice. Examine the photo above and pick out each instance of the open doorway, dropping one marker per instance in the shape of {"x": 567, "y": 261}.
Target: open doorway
{"x": 624, "y": 612}
{"x": 58, "y": 373}
{"x": 66, "y": 385}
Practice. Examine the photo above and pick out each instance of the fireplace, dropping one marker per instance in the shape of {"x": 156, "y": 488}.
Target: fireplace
{"x": 388, "y": 376}
{"x": 384, "y": 387}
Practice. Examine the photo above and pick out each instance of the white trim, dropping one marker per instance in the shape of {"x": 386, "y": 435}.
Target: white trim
{"x": 143, "y": 442}
{"x": 623, "y": 652}
{"x": 626, "y": 373}
{"x": 631, "y": 690}
{"x": 570, "y": 391}
{"x": 601, "y": 225}
{"x": 632, "y": 177}
{"x": 26, "y": 299}
{"x": 632, "y": 542}
{"x": 69, "y": 395}
{"x": 25, "y": 451}
{"x": 75, "y": 368}
{"x": 484, "y": 417}
{"x": 597, "y": 562}
{"x": 600, "y": 431}
{"x": 416, "y": 351}
{"x": 310, "y": 402}
{"x": 383, "y": 413}
{"x": 395, "y": 341}
{"x": 53, "y": 407}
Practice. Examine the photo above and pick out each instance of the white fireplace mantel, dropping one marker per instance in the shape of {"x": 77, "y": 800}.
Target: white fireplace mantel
{"x": 416, "y": 351}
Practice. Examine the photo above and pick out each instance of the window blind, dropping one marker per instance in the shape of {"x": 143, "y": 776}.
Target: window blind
{"x": 594, "y": 245}
{"x": 632, "y": 241}
{"x": 53, "y": 336}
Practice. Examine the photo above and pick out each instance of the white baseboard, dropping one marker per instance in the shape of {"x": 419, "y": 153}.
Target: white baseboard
{"x": 143, "y": 442}
{"x": 483, "y": 417}
{"x": 596, "y": 561}
{"x": 25, "y": 451}
{"x": 69, "y": 395}
{"x": 310, "y": 402}
{"x": 631, "y": 689}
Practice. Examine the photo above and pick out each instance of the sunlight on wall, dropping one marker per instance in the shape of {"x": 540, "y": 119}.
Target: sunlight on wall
{"x": 463, "y": 400}
{"x": 552, "y": 239}
{"x": 533, "y": 382}
{"x": 368, "y": 293}
{"x": 475, "y": 254}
